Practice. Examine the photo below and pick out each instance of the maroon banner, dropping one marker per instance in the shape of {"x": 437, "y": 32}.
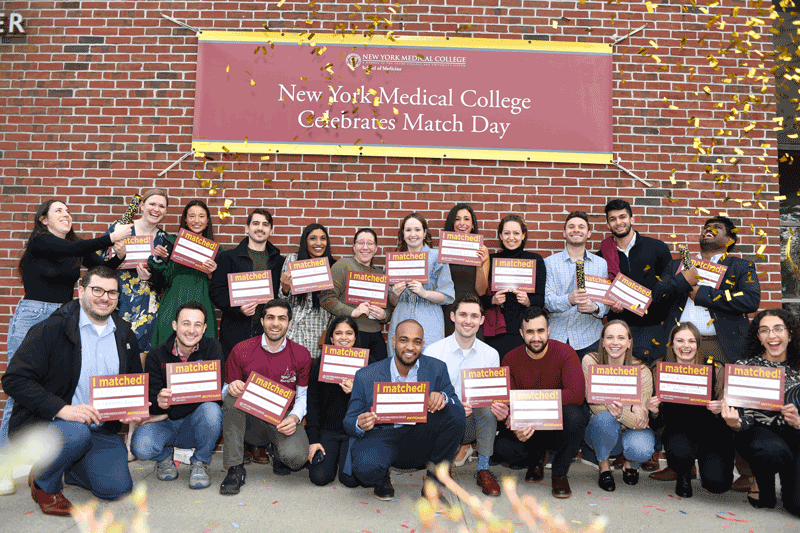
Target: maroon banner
{"x": 192, "y": 250}
{"x": 194, "y": 382}
{"x": 513, "y": 274}
{"x": 120, "y": 396}
{"x": 400, "y": 403}
{"x": 633, "y": 296}
{"x": 597, "y": 289}
{"x": 460, "y": 248}
{"x": 339, "y": 363}
{"x": 265, "y": 399}
{"x": 684, "y": 383}
{"x": 366, "y": 287}
{"x": 407, "y": 266}
{"x": 137, "y": 250}
{"x": 250, "y": 287}
{"x": 452, "y": 97}
{"x": 310, "y": 275}
{"x": 611, "y": 383}
{"x": 538, "y": 408}
{"x": 756, "y": 387}
{"x": 481, "y": 387}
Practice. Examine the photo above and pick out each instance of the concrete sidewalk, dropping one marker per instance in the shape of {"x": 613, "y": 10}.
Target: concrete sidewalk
{"x": 269, "y": 503}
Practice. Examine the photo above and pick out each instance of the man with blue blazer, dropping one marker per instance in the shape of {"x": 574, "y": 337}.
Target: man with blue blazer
{"x": 375, "y": 448}
{"x": 721, "y": 314}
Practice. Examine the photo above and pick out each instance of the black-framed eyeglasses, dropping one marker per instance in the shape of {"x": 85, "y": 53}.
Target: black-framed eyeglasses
{"x": 99, "y": 292}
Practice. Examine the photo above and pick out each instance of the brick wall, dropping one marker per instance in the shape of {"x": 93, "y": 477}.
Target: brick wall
{"x": 97, "y": 99}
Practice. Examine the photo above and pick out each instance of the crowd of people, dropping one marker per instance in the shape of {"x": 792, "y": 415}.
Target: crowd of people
{"x": 160, "y": 312}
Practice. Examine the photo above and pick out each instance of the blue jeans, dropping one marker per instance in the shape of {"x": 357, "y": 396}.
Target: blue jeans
{"x": 92, "y": 458}
{"x": 608, "y": 437}
{"x": 28, "y": 314}
{"x": 200, "y": 430}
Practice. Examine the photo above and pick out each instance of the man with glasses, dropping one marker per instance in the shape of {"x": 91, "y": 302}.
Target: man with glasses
{"x": 49, "y": 381}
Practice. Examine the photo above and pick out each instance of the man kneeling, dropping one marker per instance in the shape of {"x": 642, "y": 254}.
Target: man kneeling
{"x": 49, "y": 379}
{"x": 375, "y": 448}
{"x": 191, "y": 425}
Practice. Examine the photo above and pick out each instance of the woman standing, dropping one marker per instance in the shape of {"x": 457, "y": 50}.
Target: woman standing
{"x": 466, "y": 279}
{"x": 770, "y": 440}
{"x": 615, "y": 429}
{"x": 413, "y": 299}
{"x": 327, "y": 405}
{"x": 181, "y": 283}
{"x": 693, "y": 431}
{"x": 49, "y": 267}
{"x": 369, "y": 317}
{"x": 309, "y": 318}
{"x": 138, "y": 302}
{"x": 504, "y": 308}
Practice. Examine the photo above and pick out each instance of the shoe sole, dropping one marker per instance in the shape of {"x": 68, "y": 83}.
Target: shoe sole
{"x": 562, "y": 496}
{"x": 384, "y": 498}
{"x": 197, "y": 486}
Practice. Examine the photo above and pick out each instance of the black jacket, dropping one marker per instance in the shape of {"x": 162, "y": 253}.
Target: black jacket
{"x": 156, "y": 366}
{"x": 730, "y": 316}
{"x": 44, "y": 372}
{"x": 234, "y": 326}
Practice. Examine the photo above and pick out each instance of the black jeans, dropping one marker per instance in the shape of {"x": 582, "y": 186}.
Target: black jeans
{"x": 336, "y": 444}
{"x": 565, "y": 442}
{"x": 711, "y": 445}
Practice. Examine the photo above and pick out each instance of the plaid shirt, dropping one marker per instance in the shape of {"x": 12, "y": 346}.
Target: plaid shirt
{"x": 177, "y": 352}
{"x": 567, "y": 324}
{"x": 308, "y": 324}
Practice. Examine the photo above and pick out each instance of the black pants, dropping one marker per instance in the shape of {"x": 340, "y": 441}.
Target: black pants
{"x": 711, "y": 445}
{"x": 771, "y": 450}
{"x": 376, "y": 345}
{"x": 416, "y": 446}
{"x": 564, "y": 442}
{"x": 335, "y": 444}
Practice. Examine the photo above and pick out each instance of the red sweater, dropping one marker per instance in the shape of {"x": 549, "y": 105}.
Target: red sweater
{"x": 289, "y": 367}
{"x": 560, "y": 368}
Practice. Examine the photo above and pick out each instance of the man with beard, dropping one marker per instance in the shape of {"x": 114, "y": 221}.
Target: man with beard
{"x": 721, "y": 320}
{"x": 275, "y": 357}
{"x": 49, "y": 379}
{"x": 646, "y": 261}
{"x": 542, "y": 363}
{"x": 192, "y": 425}
{"x": 255, "y": 253}
{"x": 374, "y": 448}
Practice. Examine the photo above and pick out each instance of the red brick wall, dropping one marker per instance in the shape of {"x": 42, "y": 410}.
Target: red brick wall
{"x": 97, "y": 99}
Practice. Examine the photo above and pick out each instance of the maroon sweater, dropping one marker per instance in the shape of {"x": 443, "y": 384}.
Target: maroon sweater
{"x": 560, "y": 368}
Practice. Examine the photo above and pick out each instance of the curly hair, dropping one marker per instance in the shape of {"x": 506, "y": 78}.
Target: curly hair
{"x": 753, "y": 345}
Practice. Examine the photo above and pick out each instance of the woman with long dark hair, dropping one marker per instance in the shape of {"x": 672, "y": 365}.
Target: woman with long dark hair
{"x": 694, "y": 431}
{"x": 770, "y": 440}
{"x": 180, "y": 283}
{"x": 309, "y": 319}
{"x": 466, "y": 279}
{"x": 416, "y": 300}
{"x": 327, "y": 405}
{"x": 504, "y": 308}
{"x": 369, "y": 316}
{"x": 49, "y": 267}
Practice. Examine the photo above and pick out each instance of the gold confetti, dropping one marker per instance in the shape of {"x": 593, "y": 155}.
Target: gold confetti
{"x": 281, "y": 3}
{"x": 650, "y": 7}
{"x": 555, "y": 24}
{"x": 228, "y": 68}
{"x": 265, "y": 158}
{"x": 728, "y": 295}
{"x": 396, "y": 112}
{"x": 252, "y": 82}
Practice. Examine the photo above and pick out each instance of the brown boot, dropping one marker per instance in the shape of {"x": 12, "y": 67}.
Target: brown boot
{"x": 668, "y": 474}
{"x": 743, "y": 484}
{"x": 651, "y": 464}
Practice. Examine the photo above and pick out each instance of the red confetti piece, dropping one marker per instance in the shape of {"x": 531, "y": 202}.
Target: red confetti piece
{"x": 730, "y": 519}
{"x": 670, "y": 495}
{"x": 588, "y": 492}
{"x": 29, "y": 512}
{"x": 415, "y": 485}
{"x": 648, "y": 505}
{"x": 403, "y": 525}
{"x": 730, "y": 513}
{"x": 662, "y": 510}
{"x": 276, "y": 501}
{"x": 363, "y": 503}
{"x": 378, "y": 511}
{"x": 645, "y": 512}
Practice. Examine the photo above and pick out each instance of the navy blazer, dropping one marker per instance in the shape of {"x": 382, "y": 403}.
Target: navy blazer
{"x": 730, "y": 317}
{"x": 431, "y": 370}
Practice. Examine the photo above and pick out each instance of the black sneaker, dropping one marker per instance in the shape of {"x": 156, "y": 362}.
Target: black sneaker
{"x": 234, "y": 480}
{"x": 384, "y": 490}
{"x": 278, "y": 468}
